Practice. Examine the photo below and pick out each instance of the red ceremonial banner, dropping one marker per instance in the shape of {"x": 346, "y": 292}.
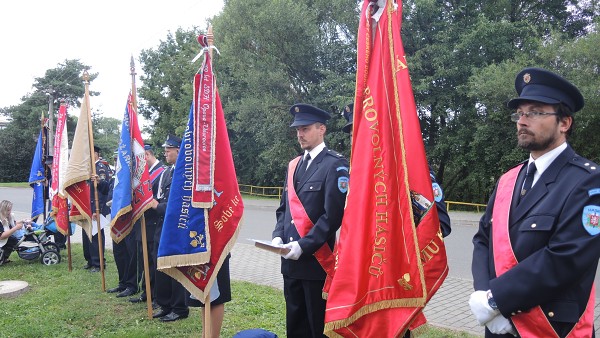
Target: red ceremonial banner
{"x": 390, "y": 257}
{"x": 60, "y": 211}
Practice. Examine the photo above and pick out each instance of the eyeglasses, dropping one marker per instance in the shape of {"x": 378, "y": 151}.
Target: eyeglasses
{"x": 530, "y": 115}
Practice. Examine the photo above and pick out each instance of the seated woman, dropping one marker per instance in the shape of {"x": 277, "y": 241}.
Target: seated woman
{"x": 8, "y": 227}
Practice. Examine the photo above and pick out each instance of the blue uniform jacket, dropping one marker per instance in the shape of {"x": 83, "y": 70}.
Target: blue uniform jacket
{"x": 557, "y": 257}
{"x": 323, "y": 194}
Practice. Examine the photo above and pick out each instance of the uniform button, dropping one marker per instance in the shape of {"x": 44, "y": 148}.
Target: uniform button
{"x": 593, "y": 168}
{"x": 550, "y": 314}
{"x": 587, "y": 164}
{"x": 292, "y": 222}
{"x": 291, "y": 239}
{"x": 519, "y": 311}
{"x": 533, "y": 225}
{"x": 310, "y": 188}
{"x": 512, "y": 314}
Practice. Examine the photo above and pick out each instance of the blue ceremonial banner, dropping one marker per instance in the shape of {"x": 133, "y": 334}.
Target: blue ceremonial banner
{"x": 183, "y": 240}
{"x": 121, "y": 198}
{"x": 37, "y": 177}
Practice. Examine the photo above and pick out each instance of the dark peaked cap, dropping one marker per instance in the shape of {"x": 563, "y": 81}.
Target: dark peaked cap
{"x": 537, "y": 84}
{"x": 305, "y": 114}
{"x": 348, "y": 114}
{"x": 172, "y": 142}
{"x": 97, "y": 149}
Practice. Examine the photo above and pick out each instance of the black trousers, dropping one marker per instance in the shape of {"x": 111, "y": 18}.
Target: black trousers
{"x": 137, "y": 263}
{"x": 170, "y": 295}
{"x": 8, "y": 248}
{"x": 305, "y": 307}
{"x": 90, "y": 249}
{"x": 124, "y": 252}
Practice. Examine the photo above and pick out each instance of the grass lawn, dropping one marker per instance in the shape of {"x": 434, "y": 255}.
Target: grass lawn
{"x": 60, "y": 303}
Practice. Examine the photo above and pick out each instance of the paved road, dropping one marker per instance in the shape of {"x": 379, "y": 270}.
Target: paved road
{"x": 448, "y": 307}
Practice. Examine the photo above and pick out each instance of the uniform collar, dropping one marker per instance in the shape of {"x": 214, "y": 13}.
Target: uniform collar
{"x": 315, "y": 151}
{"x": 543, "y": 162}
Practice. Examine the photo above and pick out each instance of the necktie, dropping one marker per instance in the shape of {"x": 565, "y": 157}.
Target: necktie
{"x": 302, "y": 168}
{"x": 528, "y": 179}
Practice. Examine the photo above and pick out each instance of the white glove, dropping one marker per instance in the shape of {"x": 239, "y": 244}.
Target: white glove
{"x": 480, "y": 307}
{"x": 277, "y": 241}
{"x": 295, "y": 250}
{"x": 501, "y": 325}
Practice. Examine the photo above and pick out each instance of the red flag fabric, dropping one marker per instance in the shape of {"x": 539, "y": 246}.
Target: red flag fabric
{"x": 60, "y": 162}
{"x": 79, "y": 171}
{"x": 132, "y": 192}
{"x": 390, "y": 257}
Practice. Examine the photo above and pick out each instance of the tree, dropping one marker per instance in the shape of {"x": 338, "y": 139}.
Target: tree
{"x": 19, "y": 138}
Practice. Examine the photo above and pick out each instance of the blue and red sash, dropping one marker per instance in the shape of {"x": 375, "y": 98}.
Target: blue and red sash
{"x": 156, "y": 173}
{"x": 531, "y": 323}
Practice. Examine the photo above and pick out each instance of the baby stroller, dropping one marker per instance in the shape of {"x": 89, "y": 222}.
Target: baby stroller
{"x": 36, "y": 243}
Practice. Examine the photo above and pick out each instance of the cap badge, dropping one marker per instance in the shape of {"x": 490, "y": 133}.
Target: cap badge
{"x": 297, "y": 109}
{"x": 527, "y": 77}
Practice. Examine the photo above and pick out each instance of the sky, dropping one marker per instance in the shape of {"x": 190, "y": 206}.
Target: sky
{"x": 39, "y": 35}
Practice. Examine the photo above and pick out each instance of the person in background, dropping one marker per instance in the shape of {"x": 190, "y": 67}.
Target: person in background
{"x": 91, "y": 248}
{"x": 8, "y": 227}
{"x": 536, "y": 251}
{"x": 155, "y": 169}
{"x": 313, "y": 200}
{"x": 170, "y": 295}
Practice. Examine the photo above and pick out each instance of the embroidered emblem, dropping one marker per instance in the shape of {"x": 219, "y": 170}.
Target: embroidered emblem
{"x": 438, "y": 194}
{"x": 197, "y": 239}
{"x": 341, "y": 168}
{"x": 527, "y": 77}
{"x": 590, "y": 219}
{"x": 405, "y": 281}
{"x": 343, "y": 184}
{"x": 593, "y": 192}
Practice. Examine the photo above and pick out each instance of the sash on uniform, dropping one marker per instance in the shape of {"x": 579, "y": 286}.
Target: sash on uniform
{"x": 303, "y": 225}
{"x": 531, "y": 323}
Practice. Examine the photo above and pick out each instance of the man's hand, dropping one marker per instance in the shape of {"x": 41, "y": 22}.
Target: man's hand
{"x": 295, "y": 250}
{"x": 277, "y": 241}
{"x": 154, "y": 204}
{"x": 500, "y": 325}
{"x": 480, "y": 307}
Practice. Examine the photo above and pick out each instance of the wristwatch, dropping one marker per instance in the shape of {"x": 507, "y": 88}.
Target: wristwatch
{"x": 491, "y": 301}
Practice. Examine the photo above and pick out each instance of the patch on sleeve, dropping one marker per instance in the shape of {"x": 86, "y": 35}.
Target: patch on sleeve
{"x": 346, "y": 169}
{"x": 343, "y": 184}
{"x": 590, "y": 219}
{"x": 593, "y": 192}
{"x": 438, "y": 194}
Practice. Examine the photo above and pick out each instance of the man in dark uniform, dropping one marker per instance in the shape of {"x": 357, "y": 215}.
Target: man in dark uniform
{"x": 155, "y": 168}
{"x": 123, "y": 253}
{"x": 438, "y": 193}
{"x": 91, "y": 248}
{"x": 170, "y": 295}
{"x": 310, "y": 213}
{"x": 536, "y": 251}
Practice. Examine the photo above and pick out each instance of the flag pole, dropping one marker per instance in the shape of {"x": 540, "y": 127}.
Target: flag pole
{"x": 143, "y": 227}
{"x": 210, "y": 38}
{"x": 86, "y": 78}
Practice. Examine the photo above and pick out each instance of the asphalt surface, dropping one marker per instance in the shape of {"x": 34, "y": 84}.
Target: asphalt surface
{"x": 448, "y": 308}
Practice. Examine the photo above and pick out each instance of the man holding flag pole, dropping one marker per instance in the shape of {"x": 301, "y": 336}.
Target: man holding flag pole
{"x": 80, "y": 170}
{"x": 132, "y": 192}
{"x": 391, "y": 257}
{"x": 205, "y": 206}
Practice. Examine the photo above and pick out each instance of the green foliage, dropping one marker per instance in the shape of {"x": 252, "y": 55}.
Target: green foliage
{"x": 19, "y": 138}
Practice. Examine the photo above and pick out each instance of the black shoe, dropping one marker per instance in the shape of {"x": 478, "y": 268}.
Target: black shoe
{"x": 127, "y": 292}
{"x": 139, "y": 299}
{"x": 87, "y": 266}
{"x": 160, "y": 314}
{"x": 94, "y": 269}
{"x": 155, "y": 305}
{"x": 172, "y": 316}
{"x": 117, "y": 289}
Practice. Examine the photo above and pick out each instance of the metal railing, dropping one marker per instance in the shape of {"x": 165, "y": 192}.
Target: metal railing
{"x": 476, "y": 205}
{"x": 256, "y": 190}
{"x": 261, "y": 191}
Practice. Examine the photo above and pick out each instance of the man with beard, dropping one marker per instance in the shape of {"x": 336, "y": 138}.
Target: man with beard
{"x": 536, "y": 251}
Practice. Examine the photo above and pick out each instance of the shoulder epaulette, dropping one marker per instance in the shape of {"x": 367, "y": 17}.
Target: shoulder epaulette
{"x": 334, "y": 153}
{"x": 584, "y": 163}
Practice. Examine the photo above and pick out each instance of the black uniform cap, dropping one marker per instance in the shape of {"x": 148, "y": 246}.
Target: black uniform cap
{"x": 172, "y": 142}
{"x": 537, "y": 84}
{"x": 305, "y": 114}
{"x": 348, "y": 114}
